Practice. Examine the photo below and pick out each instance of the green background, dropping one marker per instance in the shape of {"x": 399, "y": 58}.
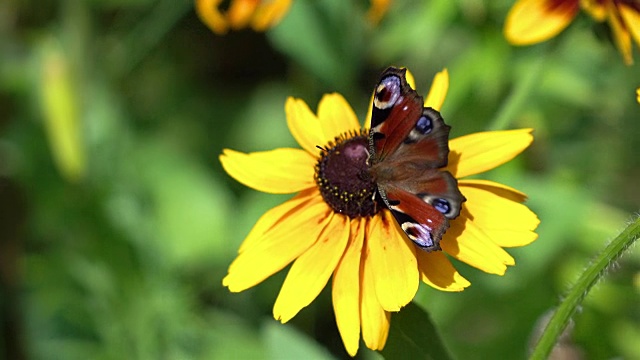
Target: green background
{"x": 117, "y": 250}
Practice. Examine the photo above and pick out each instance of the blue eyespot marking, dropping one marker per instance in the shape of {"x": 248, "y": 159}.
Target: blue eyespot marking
{"x": 442, "y": 205}
{"x": 424, "y": 125}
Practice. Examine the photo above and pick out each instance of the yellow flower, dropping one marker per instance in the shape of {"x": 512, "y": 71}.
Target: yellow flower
{"x": 259, "y": 14}
{"x": 534, "y": 21}
{"x": 638, "y": 94}
{"x": 376, "y": 269}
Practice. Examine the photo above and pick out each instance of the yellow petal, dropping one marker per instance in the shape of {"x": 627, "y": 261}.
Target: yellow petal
{"x": 410, "y": 79}
{"x": 311, "y": 271}
{"x": 436, "y": 271}
{"x": 507, "y": 223}
{"x": 346, "y": 289}
{"x": 595, "y": 8}
{"x": 394, "y": 264}
{"x": 240, "y": 13}
{"x": 468, "y": 243}
{"x": 209, "y": 14}
{"x": 479, "y": 152}
{"x": 367, "y": 119}
{"x": 279, "y": 214}
{"x": 501, "y": 190}
{"x": 375, "y": 321}
{"x": 438, "y": 91}
{"x": 377, "y": 10}
{"x": 279, "y": 171}
{"x": 638, "y": 95}
{"x": 269, "y": 14}
{"x": 304, "y": 125}
{"x": 533, "y": 21}
{"x": 278, "y": 247}
{"x": 631, "y": 19}
{"x": 336, "y": 117}
{"x": 621, "y": 35}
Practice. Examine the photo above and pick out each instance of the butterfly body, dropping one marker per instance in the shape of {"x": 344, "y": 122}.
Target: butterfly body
{"x": 408, "y": 147}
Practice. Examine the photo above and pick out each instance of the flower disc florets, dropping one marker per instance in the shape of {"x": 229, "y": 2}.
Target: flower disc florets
{"x": 342, "y": 175}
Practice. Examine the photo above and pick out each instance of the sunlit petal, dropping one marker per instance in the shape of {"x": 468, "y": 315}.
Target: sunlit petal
{"x": 394, "y": 264}
{"x": 346, "y": 289}
{"x": 507, "y": 223}
{"x": 377, "y": 10}
{"x": 501, "y": 190}
{"x": 279, "y": 171}
{"x": 631, "y": 19}
{"x": 621, "y": 35}
{"x": 438, "y": 272}
{"x": 304, "y": 125}
{"x": 269, "y": 14}
{"x": 375, "y": 321}
{"x": 311, "y": 271}
{"x": 211, "y": 16}
{"x": 468, "y": 243}
{"x": 279, "y": 246}
{"x": 279, "y": 214}
{"x": 240, "y": 13}
{"x": 438, "y": 91}
{"x": 411, "y": 80}
{"x": 476, "y": 153}
{"x": 533, "y": 21}
{"x": 336, "y": 116}
{"x": 595, "y": 8}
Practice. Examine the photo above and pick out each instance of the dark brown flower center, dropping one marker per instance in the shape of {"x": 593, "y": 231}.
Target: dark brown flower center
{"x": 342, "y": 175}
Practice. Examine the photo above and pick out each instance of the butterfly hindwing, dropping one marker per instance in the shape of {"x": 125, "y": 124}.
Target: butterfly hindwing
{"x": 422, "y": 202}
{"x": 423, "y": 224}
{"x": 408, "y": 146}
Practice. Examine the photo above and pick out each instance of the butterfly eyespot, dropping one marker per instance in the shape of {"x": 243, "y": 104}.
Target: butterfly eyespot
{"x": 424, "y": 125}
{"x": 442, "y": 205}
{"x": 387, "y": 93}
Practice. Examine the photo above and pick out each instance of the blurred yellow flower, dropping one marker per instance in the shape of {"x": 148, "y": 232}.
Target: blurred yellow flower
{"x": 534, "y": 21}
{"x": 376, "y": 269}
{"x": 258, "y": 14}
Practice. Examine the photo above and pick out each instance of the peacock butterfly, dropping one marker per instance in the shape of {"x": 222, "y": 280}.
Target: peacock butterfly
{"x": 408, "y": 147}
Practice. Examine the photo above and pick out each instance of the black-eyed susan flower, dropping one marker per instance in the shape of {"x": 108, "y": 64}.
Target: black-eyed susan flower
{"x": 533, "y": 21}
{"x": 375, "y": 269}
{"x": 257, "y": 14}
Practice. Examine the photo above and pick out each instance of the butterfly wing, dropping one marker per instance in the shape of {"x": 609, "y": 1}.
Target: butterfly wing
{"x": 422, "y": 201}
{"x": 401, "y": 129}
{"x": 408, "y": 144}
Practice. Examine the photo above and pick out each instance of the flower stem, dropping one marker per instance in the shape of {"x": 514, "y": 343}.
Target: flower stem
{"x": 585, "y": 282}
{"x": 521, "y": 93}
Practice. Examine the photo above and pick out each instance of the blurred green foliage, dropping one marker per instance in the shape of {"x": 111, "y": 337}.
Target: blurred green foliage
{"x": 118, "y": 222}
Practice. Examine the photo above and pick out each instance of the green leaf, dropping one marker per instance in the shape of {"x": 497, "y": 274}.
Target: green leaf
{"x": 413, "y": 336}
{"x": 285, "y": 342}
{"x": 321, "y": 42}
